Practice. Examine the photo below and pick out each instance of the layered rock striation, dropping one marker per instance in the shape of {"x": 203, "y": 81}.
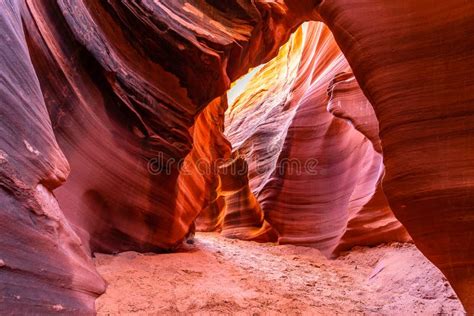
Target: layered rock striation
{"x": 310, "y": 138}
{"x": 107, "y": 95}
{"x": 43, "y": 267}
{"x": 110, "y": 109}
{"x": 412, "y": 60}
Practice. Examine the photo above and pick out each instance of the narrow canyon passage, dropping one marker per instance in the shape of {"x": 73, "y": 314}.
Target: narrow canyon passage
{"x": 314, "y": 127}
{"x": 223, "y": 276}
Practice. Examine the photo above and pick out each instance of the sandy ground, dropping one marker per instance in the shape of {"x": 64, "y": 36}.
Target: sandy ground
{"x": 223, "y": 276}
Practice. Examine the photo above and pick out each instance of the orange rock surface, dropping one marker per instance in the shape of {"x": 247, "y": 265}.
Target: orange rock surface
{"x": 301, "y": 124}
{"x": 413, "y": 60}
{"x": 110, "y": 110}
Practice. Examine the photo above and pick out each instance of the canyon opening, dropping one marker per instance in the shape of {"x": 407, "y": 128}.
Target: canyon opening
{"x": 237, "y": 157}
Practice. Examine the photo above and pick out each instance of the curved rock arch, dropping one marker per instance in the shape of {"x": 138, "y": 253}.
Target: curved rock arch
{"x": 417, "y": 76}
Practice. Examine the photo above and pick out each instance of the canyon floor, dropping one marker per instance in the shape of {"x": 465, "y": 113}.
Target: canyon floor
{"x": 216, "y": 275}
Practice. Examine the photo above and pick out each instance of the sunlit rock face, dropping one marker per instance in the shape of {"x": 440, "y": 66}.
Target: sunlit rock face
{"x": 310, "y": 139}
{"x": 109, "y": 108}
{"x": 414, "y": 61}
{"x": 113, "y": 94}
{"x": 199, "y": 173}
{"x": 124, "y": 84}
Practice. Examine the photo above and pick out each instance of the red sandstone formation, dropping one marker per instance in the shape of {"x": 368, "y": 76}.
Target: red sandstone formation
{"x": 315, "y": 176}
{"x": 123, "y": 84}
{"x": 413, "y": 60}
{"x": 101, "y": 100}
{"x": 43, "y": 267}
{"x": 199, "y": 175}
{"x": 138, "y": 75}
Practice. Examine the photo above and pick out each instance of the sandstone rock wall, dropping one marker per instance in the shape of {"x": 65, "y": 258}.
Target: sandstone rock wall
{"x": 98, "y": 97}
{"x": 43, "y": 268}
{"x": 301, "y": 125}
{"x": 413, "y": 60}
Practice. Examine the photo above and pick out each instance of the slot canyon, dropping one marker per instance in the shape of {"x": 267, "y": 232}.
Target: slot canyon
{"x": 237, "y": 157}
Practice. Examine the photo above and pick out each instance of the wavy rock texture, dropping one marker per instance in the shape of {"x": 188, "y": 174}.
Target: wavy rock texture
{"x": 138, "y": 75}
{"x": 316, "y": 176}
{"x": 413, "y": 59}
{"x": 43, "y": 268}
{"x": 123, "y": 83}
{"x": 199, "y": 173}
{"x": 127, "y": 90}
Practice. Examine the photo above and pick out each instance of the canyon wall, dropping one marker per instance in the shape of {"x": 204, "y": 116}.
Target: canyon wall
{"x": 123, "y": 83}
{"x": 114, "y": 105}
{"x": 43, "y": 268}
{"x": 413, "y": 60}
{"x": 106, "y": 94}
{"x": 301, "y": 125}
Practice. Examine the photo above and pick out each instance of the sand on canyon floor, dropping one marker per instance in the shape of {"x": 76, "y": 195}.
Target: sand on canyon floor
{"x": 225, "y": 276}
